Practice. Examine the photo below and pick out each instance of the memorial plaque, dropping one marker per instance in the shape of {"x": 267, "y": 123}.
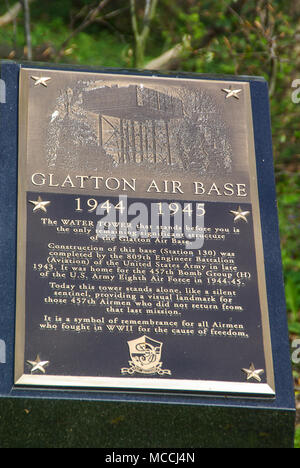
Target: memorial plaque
{"x": 140, "y": 256}
{"x": 140, "y": 268}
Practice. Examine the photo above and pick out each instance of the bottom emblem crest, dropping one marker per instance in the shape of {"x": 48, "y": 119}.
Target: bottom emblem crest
{"x": 145, "y": 356}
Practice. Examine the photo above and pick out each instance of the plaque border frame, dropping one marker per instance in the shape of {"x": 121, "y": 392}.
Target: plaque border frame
{"x": 125, "y": 383}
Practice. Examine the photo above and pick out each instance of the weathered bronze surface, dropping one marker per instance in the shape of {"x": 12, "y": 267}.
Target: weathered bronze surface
{"x": 124, "y": 302}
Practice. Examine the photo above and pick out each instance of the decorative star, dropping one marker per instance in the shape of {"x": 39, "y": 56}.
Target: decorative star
{"x": 41, "y": 80}
{"x": 40, "y": 204}
{"x": 38, "y": 365}
{"x": 232, "y": 93}
{"x": 240, "y": 214}
{"x": 253, "y": 373}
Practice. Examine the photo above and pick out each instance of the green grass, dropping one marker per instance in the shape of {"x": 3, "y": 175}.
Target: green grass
{"x": 297, "y": 437}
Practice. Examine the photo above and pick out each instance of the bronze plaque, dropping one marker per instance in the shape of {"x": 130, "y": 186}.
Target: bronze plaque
{"x": 140, "y": 256}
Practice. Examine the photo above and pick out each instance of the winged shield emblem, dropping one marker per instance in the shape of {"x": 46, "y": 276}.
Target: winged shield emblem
{"x": 145, "y": 354}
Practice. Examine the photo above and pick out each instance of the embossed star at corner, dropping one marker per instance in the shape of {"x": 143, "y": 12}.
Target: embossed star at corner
{"x": 240, "y": 214}
{"x": 231, "y": 93}
{"x": 40, "y": 204}
{"x": 41, "y": 80}
{"x": 253, "y": 373}
{"x": 38, "y": 365}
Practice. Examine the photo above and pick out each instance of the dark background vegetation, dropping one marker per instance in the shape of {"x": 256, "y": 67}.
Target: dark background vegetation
{"x": 245, "y": 37}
